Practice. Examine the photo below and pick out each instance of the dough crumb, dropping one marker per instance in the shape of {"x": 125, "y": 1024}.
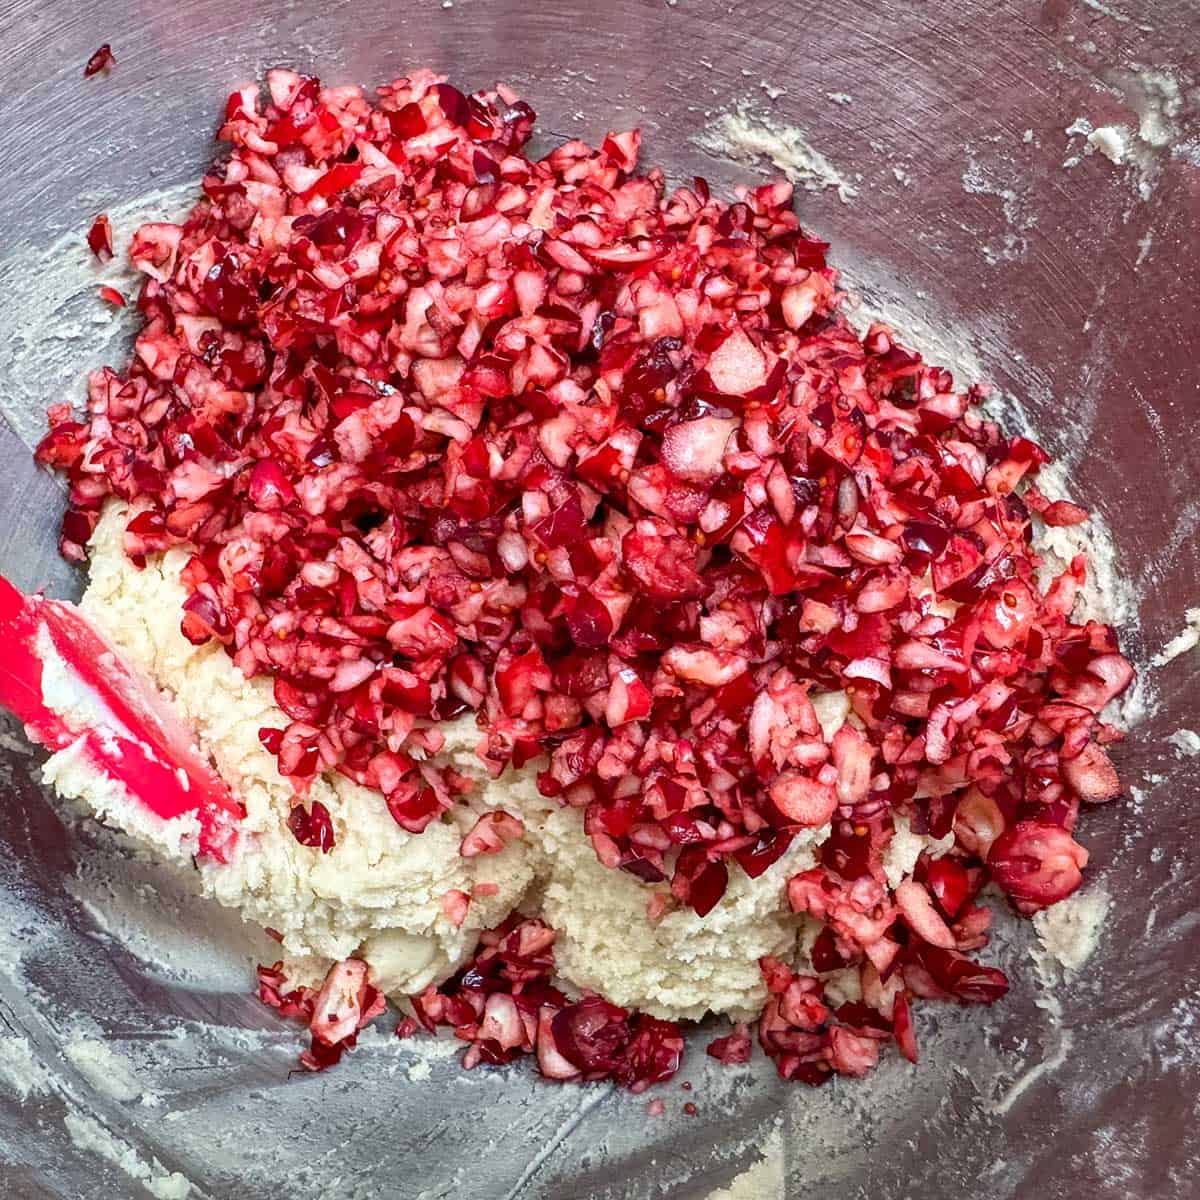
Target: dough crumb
{"x": 89, "y": 1135}
{"x": 1070, "y": 930}
{"x": 1112, "y": 141}
{"x": 1188, "y": 638}
{"x": 1186, "y": 742}
{"x": 20, "y": 1072}
{"x": 763, "y": 1181}
{"x": 902, "y": 852}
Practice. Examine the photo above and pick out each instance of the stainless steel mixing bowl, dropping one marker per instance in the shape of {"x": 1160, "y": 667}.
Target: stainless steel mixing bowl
{"x": 1073, "y": 281}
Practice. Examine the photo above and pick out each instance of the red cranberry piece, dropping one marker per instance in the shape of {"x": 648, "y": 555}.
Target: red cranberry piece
{"x": 312, "y": 826}
{"x": 99, "y": 239}
{"x": 653, "y": 1054}
{"x": 563, "y": 526}
{"x": 959, "y": 977}
{"x": 902, "y": 1027}
{"x": 270, "y": 488}
{"x": 407, "y": 122}
{"x": 1092, "y": 775}
{"x": 802, "y": 800}
{"x": 588, "y": 620}
{"x": 662, "y": 562}
{"x": 699, "y": 882}
{"x": 227, "y": 295}
{"x": 592, "y": 1034}
{"x": 1037, "y": 864}
{"x": 454, "y": 104}
{"x": 769, "y": 848}
{"x": 825, "y": 954}
{"x": 413, "y": 809}
{"x": 272, "y": 739}
{"x": 948, "y": 884}
{"x": 101, "y": 59}
{"x": 733, "y": 1048}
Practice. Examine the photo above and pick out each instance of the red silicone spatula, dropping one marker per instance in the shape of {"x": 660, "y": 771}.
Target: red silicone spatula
{"x": 132, "y": 736}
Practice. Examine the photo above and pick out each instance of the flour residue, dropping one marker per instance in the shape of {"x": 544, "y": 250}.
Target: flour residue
{"x": 89, "y": 1135}
{"x": 1039, "y": 1070}
{"x": 1106, "y": 10}
{"x": 1188, "y": 638}
{"x": 106, "y": 1069}
{"x": 1112, "y": 141}
{"x": 1002, "y": 181}
{"x": 746, "y": 136}
{"x": 20, "y": 1072}
{"x": 762, "y": 1181}
{"x": 26, "y": 1074}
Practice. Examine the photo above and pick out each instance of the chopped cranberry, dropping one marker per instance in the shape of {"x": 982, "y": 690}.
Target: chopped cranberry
{"x": 1092, "y": 775}
{"x": 946, "y": 974}
{"x": 733, "y": 1048}
{"x": 902, "y": 1027}
{"x": 949, "y": 885}
{"x": 803, "y": 800}
{"x": 312, "y": 826}
{"x": 99, "y": 238}
{"x": 100, "y": 59}
{"x": 335, "y": 1014}
{"x": 448, "y": 430}
{"x": 1037, "y": 864}
{"x": 503, "y": 1005}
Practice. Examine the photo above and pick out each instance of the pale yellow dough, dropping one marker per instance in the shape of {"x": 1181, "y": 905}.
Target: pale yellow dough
{"x": 379, "y": 892}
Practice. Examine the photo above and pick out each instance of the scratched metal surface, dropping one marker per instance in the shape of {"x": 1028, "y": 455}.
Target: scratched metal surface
{"x": 1077, "y": 296}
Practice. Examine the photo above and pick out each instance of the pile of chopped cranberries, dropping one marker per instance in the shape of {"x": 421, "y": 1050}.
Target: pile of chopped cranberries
{"x": 453, "y": 430}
